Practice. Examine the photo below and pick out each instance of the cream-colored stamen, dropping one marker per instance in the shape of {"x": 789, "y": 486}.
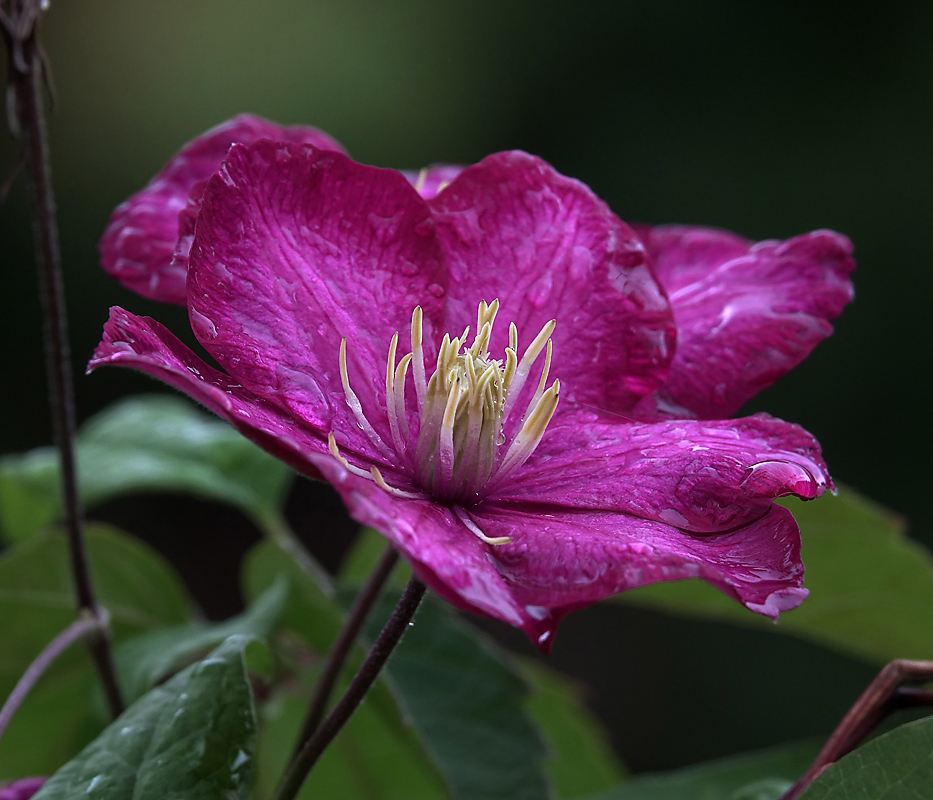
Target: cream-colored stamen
{"x": 463, "y": 409}
{"x": 473, "y": 528}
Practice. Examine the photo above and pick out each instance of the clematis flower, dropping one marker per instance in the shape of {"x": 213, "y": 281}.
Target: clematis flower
{"x": 488, "y": 374}
{"x": 22, "y": 789}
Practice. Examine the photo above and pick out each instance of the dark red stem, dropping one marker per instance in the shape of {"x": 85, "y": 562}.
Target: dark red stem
{"x": 389, "y": 637}
{"x": 345, "y": 639}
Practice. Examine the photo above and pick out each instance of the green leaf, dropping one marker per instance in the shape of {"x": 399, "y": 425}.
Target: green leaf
{"x": 373, "y": 757}
{"x": 145, "y": 660}
{"x": 895, "y": 766}
{"x": 581, "y": 760}
{"x": 309, "y": 612}
{"x": 871, "y": 588}
{"x": 191, "y": 738}
{"x": 139, "y": 589}
{"x": 145, "y": 444}
{"x": 752, "y": 776}
{"x": 363, "y": 556}
{"x": 463, "y": 698}
{"x": 56, "y": 720}
{"x": 137, "y": 586}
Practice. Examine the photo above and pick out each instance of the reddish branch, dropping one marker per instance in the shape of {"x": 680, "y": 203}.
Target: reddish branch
{"x": 884, "y": 695}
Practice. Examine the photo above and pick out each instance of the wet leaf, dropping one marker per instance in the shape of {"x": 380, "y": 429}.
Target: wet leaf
{"x": 895, "y": 766}
{"x": 152, "y": 443}
{"x": 752, "y": 776}
{"x": 581, "y": 760}
{"x": 871, "y": 587}
{"x": 192, "y": 737}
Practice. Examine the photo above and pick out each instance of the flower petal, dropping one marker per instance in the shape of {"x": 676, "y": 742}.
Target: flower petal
{"x": 431, "y": 180}
{"x": 138, "y": 245}
{"x": 548, "y": 248}
{"x": 22, "y": 789}
{"x": 442, "y": 551}
{"x": 144, "y": 344}
{"x": 296, "y": 248}
{"x": 699, "y": 476}
{"x": 562, "y": 560}
{"x": 746, "y": 313}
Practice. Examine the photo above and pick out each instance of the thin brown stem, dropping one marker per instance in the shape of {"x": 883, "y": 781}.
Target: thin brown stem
{"x": 78, "y": 629}
{"x": 883, "y": 695}
{"x": 389, "y": 637}
{"x": 345, "y": 639}
{"x": 25, "y": 75}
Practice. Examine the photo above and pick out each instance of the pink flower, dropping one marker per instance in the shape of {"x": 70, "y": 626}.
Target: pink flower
{"x": 524, "y": 469}
{"x": 22, "y": 789}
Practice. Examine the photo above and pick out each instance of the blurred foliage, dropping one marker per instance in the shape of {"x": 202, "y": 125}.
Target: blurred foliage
{"x": 140, "y": 591}
{"x": 144, "y": 444}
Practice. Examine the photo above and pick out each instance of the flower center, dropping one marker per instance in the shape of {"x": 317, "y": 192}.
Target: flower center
{"x": 460, "y": 452}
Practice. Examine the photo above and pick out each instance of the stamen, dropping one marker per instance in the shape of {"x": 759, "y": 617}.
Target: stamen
{"x": 381, "y": 483}
{"x": 401, "y": 412}
{"x": 527, "y": 439}
{"x": 335, "y": 452}
{"x": 473, "y": 528}
{"x": 354, "y": 402}
{"x": 525, "y": 365}
{"x": 421, "y": 384}
{"x": 463, "y": 407}
{"x": 445, "y": 450}
{"x": 394, "y": 394}
{"x": 374, "y": 474}
{"x": 544, "y": 372}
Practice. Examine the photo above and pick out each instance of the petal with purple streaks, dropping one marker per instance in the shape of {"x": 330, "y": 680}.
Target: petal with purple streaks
{"x": 562, "y": 560}
{"x": 145, "y": 345}
{"x": 443, "y": 553}
{"x": 296, "y": 248}
{"x": 705, "y": 477}
{"x": 746, "y": 313}
{"x": 138, "y": 245}
{"x": 515, "y": 229}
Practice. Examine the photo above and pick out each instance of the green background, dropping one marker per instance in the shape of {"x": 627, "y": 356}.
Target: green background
{"x": 769, "y": 119}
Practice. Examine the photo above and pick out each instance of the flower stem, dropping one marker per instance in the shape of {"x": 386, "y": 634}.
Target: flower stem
{"x": 883, "y": 696}
{"x": 378, "y": 655}
{"x": 345, "y": 639}
{"x": 78, "y": 629}
{"x": 28, "y": 118}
